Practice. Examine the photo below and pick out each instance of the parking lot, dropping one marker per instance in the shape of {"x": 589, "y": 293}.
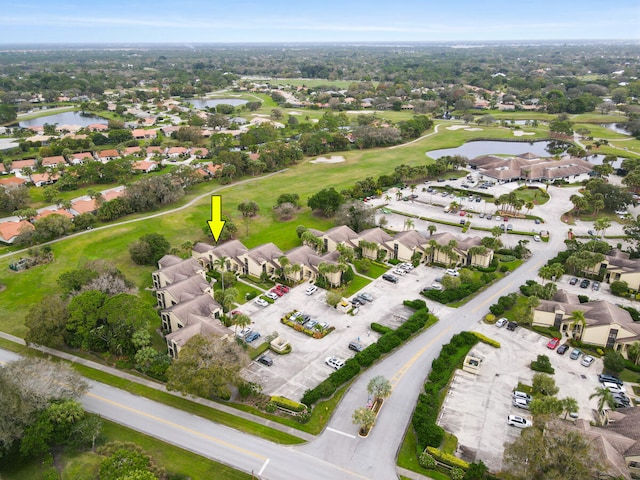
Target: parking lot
{"x": 303, "y": 368}
{"x": 476, "y": 407}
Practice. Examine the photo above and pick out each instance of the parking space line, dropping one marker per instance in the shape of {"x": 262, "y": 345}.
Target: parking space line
{"x": 340, "y": 433}
{"x": 264, "y": 465}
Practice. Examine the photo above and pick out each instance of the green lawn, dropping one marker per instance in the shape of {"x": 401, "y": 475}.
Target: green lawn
{"x": 176, "y": 461}
{"x": 535, "y": 195}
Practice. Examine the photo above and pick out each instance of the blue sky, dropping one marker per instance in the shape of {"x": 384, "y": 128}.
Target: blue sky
{"x": 192, "y": 21}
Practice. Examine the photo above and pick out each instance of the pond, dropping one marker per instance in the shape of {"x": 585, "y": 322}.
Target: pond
{"x": 65, "y": 118}
{"x": 488, "y": 147}
{"x": 616, "y": 127}
{"x": 212, "y": 102}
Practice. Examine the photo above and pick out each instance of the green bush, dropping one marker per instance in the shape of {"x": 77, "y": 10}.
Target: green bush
{"x": 427, "y": 461}
{"x": 487, "y": 340}
{"x": 542, "y": 364}
{"x": 496, "y": 309}
{"x": 417, "y": 304}
{"x": 351, "y": 369}
{"x": 450, "y": 460}
{"x": 288, "y": 404}
{"x": 388, "y": 342}
{"x": 367, "y": 356}
{"x": 376, "y": 327}
{"x": 619, "y": 289}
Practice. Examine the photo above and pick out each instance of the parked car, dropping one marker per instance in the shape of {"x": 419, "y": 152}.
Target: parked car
{"x": 356, "y": 346}
{"x": 553, "y": 343}
{"x": 261, "y": 302}
{"x": 271, "y": 295}
{"x": 536, "y": 238}
{"x": 463, "y": 221}
{"x": 361, "y": 299}
{"x": 603, "y": 377}
{"x": 452, "y": 272}
{"x": 596, "y": 286}
{"x": 509, "y": 227}
{"x": 586, "y": 361}
{"x": 334, "y": 362}
{"x": 584, "y": 283}
{"x": 277, "y": 292}
{"x": 573, "y": 281}
{"x": 498, "y": 218}
{"x": 501, "y": 322}
{"x": 562, "y": 349}
{"x": 367, "y": 297}
{"x": 435, "y": 286}
{"x": 309, "y": 324}
{"x": 253, "y": 336}
{"x": 390, "y": 278}
{"x": 511, "y": 326}
{"x": 518, "y": 421}
{"x": 399, "y": 271}
{"x": 324, "y": 326}
{"x": 489, "y": 217}
{"x": 592, "y": 233}
{"x": 520, "y": 403}
{"x": 244, "y": 332}
{"x": 575, "y": 354}
{"x": 462, "y": 213}
{"x": 614, "y": 388}
{"x": 311, "y": 289}
{"x": 481, "y": 215}
{"x": 522, "y": 395}
{"x": 282, "y": 288}
{"x": 263, "y": 359}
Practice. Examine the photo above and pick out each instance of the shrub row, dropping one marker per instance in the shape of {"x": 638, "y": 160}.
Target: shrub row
{"x": 376, "y": 327}
{"x": 447, "y": 458}
{"x": 505, "y": 302}
{"x": 417, "y": 304}
{"x": 428, "y": 404}
{"x": 288, "y": 404}
{"x": 487, "y": 340}
{"x": 387, "y": 342}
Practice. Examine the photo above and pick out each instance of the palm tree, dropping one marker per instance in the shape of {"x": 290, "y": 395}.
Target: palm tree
{"x": 387, "y": 198}
{"x": 379, "y": 388}
{"x": 432, "y": 228}
{"x": 601, "y": 225}
{"x": 220, "y": 264}
{"x": 364, "y": 418}
{"x": 633, "y": 352}
{"x": 569, "y": 405}
{"x": 577, "y": 317}
{"x": 529, "y": 206}
{"x": 477, "y": 250}
{"x": 605, "y": 397}
{"x": 240, "y": 320}
{"x": 284, "y": 263}
{"x": 398, "y": 195}
{"x": 496, "y": 232}
{"x": 409, "y": 224}
{"x": 433, "y": 246}
{"x": 532, "y": 302}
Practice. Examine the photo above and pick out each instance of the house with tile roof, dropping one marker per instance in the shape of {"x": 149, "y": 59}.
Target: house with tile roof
{"x": 172, "y": 269}
{"x": 340, "y": 235}
{"x": 142, "y": 134}
{"x": 107, "y": 155}
{"x": 617, "y": 440}
{"x": 374, "y": 243}
{"x": 112, "y": 193}
{"x": 405, "y": 244}
{"x": 606, "y": 325}
{"x": 144, "y": 166}
{"x": 80, "y": 157}
{"x": 304, "y": 265}
{"x": 461, "y": 248}
{"x": 263, "y": 259}
{"x": 10, "y": 231}
{"x": 18, "y": 165}
{"x": 45, "y": 212}
{"x": 84, "y": 205}
{"x": 41, "y": 179}
{"x": 12, "y": 182}
{"x": 53, "y": 161}
{"x": 185, "y": 298}
{"x": 231, "y": 250}
{"x": 618, "y": 266}
{"x": 177, "y": 151}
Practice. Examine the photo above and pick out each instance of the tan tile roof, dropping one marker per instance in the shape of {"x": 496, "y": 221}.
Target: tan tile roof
{"x": 58, "y": 211}
{"x": 10, "y": 230}
{"x": 57, "y": 160}
{"x": 85, "y": 206}
{"x": 12, "y": 181}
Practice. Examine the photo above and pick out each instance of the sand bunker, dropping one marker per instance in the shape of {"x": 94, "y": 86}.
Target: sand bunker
{"x": 466, "y": 128}
{"x": 293, "y": 112}
{"x": 519, "y": 133}
{"x": 334, "y": 159}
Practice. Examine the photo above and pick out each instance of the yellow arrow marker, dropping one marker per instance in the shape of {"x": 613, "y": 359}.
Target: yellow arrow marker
{"x": 216, "y": 224}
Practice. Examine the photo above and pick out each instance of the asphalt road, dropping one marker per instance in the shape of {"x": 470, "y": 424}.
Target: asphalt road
{"x": 338, "y": 453}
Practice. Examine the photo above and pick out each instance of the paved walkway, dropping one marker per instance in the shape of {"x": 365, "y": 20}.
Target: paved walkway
{"x": 161, "y": 388}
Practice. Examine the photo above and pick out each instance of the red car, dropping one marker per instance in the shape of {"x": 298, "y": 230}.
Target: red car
{"x": 277, "y": 292}
{"x": 282, "y": 288}
{"x": 462, "y": 213}
{"x": 553, "y": 343}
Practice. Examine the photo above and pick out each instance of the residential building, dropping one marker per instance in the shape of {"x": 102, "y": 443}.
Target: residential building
{"x": 231, "y": 250}
{"x": 260, "y": 260}
{"x": 10, "y": 231}
{"x": 405, "y": 244}
{"x": 617, "y": 266}
{"x": 530, "y": 167}
{"x": 304, "y": 265}
{"x": 606, "y": 325}
{"x": 172, "y": 269}
{"x": 374, "y": 243}
{"x": 464, "y": 251}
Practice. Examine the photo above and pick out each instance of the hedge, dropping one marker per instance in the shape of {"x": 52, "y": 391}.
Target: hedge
{"x": 447, "y": 458}
{"x": 428, "y": 405}
{"x": 288, "y": 404}
{"x": 487, "y": 340}
{"x": 387, "y": 342}
{"x": 416, "y": 304}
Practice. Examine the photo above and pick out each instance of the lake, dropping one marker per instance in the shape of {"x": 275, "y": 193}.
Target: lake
{"x": 616, "y": 127}
{"x": 212, "y": 102}
{"x": 488, "y": 147}
{"x": 476, "y": 149}
{"x": 65, "y": 118}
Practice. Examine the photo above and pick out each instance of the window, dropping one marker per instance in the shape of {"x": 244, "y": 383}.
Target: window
{"x": 613, "y": 334}
{"x": 395, "y": 251}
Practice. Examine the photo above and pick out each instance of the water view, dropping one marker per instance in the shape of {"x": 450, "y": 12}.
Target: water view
{"x": 475, "y": 149}
{"x": 65, "y": 118}
{"x": 212, "y": 102}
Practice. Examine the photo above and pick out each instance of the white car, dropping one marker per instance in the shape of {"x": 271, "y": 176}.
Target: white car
{"x": 399, "y": 271}
{"x": 524, "y": 396}
{"x": 311, "y": 289}
{"x": 520, "y": 403}
{"x": 614, "y": 387}
{"x": 334, "y": 362}
{"x": 452, "y": 272}
{"x": 502, "y": 322}
{"x": 536, "y": 238}
{"x": 242, "y": 333}
{"x": 518, "y": 421}
{"x": 436, "y": 286}
{"x": 261, "y": 302}
{"x": 586, "y": 361}
{"x": 271, "y": 295}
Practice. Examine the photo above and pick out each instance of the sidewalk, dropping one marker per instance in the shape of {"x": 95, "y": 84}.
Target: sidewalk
{"x": 160, "y": 387}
